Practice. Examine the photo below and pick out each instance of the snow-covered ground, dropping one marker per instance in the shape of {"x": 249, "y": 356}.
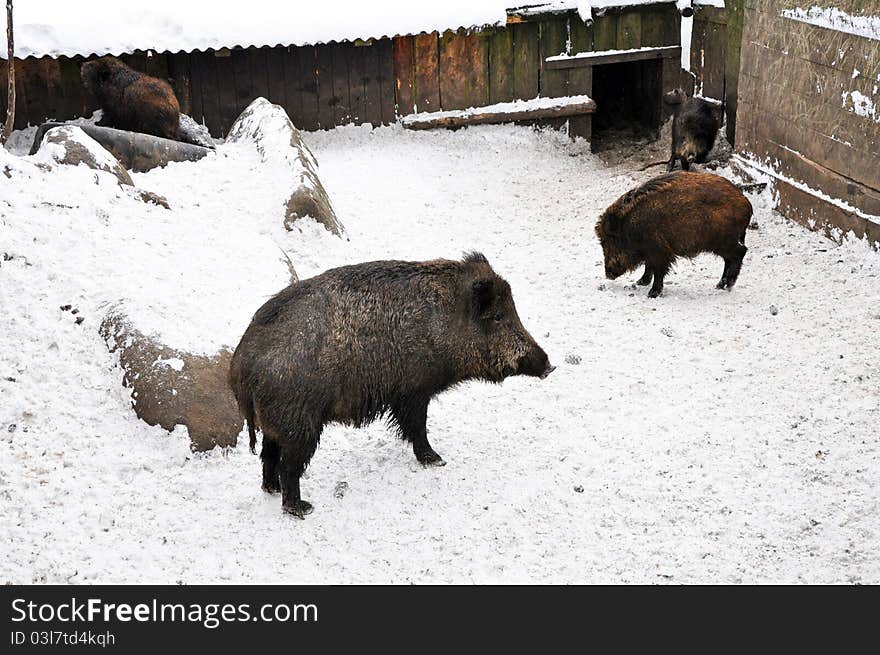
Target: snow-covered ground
{"x": 700, "y": 437}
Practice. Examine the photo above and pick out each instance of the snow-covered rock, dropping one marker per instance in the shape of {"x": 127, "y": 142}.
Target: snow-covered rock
{"x": 280, "y": 143}
{"x": 69, "y": 145}
{"x": 171, "y": 387}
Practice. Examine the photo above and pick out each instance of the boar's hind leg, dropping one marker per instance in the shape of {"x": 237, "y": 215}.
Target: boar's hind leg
{"x": 411, "y": 416}
{"x": 645, "y": 280}
{"x": 732, "y": 266}
{"x": 296, "y": 451}
{"x": 271, "y": 455}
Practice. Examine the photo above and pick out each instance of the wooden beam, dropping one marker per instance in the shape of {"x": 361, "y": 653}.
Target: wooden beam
{"x": 611, "y": 57}
{"x": 504, "y": 112}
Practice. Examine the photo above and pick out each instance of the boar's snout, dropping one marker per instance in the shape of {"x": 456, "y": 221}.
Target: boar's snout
{"x": 535, "y": 363}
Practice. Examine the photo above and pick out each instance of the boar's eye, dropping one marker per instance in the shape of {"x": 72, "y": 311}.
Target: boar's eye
{"x": 498, "y": 318}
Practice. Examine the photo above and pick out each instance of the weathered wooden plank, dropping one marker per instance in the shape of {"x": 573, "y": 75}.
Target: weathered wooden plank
{"x": 259, "y": 67}
{"x": 307, "y": 57}
{"x": 291, "y": 80}
{"x": 195, "y": 87}
{"x": 427, "y": 71}
{"x": 340, "y": 56}
{"x": 617, "y": 57}
{"x": 404, "y": 75}
{"x": 732, "y": 65}
{"x": 815, "y": 213}
{"x": 206, "y": 65}
{"x": 527, "y": 60}
{"x": 501, "y": 65}
{"x": 181, "y": 80}
{"x": 275, "y": 71}
{"x": 326, "y": 100}
{"x": 372, "y": 92}
{"x": 554, "y": 41}
{"x": 244, "y": 82}
{"x": 74, "y": 95}
{"x": 605, "y": 32}
{"x": 357, "y": 80}
{"x": 32, "y": 75}
{"x": 463, "y": 70}
{"x": 580, "y": 80}
{"x": 629, "y": 29}
{"x": 385, "y": 77}
{"x": 221, "y": 77}
{"x": 500, "y": 113}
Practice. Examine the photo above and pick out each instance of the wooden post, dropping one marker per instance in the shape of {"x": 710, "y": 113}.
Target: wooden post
{"x": 10, "y": 50}
{"x": 731, "y": 69}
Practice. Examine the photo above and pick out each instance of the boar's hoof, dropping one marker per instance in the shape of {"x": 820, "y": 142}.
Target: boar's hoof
{"x": 430, "y": 458}
{"x": 653, "y": 293}
{"x": 299, "y": 508}
{"x": 272, "y": 488}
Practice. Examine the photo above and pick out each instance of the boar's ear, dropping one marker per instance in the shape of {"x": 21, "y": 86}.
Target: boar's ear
{"x": 482, "y": 296}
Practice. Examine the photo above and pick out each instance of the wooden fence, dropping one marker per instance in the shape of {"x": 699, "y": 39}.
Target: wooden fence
{"x": 372, "y": 81}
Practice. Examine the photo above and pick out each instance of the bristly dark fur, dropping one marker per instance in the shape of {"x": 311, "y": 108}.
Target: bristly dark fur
{"x": 694, "y": 128}
{"x": 474, "y": 257}
{"x": 675, "y": 215}
{"x": 131, "y": 100}
{"x": 362, "y": 341}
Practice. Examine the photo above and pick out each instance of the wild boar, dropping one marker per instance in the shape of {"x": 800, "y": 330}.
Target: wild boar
{"x": 695, "y": 125}
{"x": 675, "y": 215}
{"x": 359, "y": 342}
{"x": 131, "y": 100}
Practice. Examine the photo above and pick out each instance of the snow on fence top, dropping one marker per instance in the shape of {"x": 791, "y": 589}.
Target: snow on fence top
{"x": 833, "y": 18}
{"x": 60, "y": 27}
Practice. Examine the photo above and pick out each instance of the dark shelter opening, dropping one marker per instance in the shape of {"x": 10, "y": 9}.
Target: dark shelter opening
{"x": 628, "y": 102}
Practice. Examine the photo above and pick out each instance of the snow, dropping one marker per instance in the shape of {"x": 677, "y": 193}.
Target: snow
{"x": 59, "y": 27}
{"x": 711, "y": 440}
{"x": 606, "y": 53}
{"x": 860, "y": 104}
{"x": 499, "y": 108}
{"x": 833, "y": 18}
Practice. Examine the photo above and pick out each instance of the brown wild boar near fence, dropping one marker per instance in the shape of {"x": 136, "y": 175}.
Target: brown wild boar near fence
{"x": 675, "y": 215}
{"x": 131, "y": 100}
{"x": 372, "y": 339}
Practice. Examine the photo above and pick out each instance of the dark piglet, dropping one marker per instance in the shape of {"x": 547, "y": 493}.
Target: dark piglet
{"x": 359, "y": 342}
{"x": 131, "y": 100}
{"x": 675, "y": 215}
{"x": 694, "y": 127}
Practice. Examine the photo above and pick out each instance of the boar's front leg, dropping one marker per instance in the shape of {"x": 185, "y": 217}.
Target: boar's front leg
{"x": 296, "y": 451}
{"x": 411, "y": 416}
{"x": 645, "y": 280}
{"x": 660, "y": 269}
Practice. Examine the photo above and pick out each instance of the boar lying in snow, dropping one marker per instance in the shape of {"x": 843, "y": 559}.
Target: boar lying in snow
{"x": 372, "y": 339}
{"x": 694, "y": 127}
{"x": 675, "y": 215}
{"x": 131, "y": 100}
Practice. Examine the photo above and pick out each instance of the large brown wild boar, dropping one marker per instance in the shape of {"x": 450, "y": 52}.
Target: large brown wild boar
{"x": 359, "y": 342}
{"x": 131, "y": 100}
{"x": 675, "y": 215}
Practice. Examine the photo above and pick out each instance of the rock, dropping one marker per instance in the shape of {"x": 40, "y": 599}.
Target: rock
{"x": 280, "y": 143}
{"x": 170, "y": 387}
{"x": 195, "y": 133}
{"x": 774, "y": 310}
{"x": 135, "y": 151}
{"x": 70, "y": 145}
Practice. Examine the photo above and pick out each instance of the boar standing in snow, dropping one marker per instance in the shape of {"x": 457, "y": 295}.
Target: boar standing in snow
{"x": 694, "y": 127}
{"x": 131, "y": 100}
{"x": 372, "y": 339}
{"x": 675, "y": 215}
